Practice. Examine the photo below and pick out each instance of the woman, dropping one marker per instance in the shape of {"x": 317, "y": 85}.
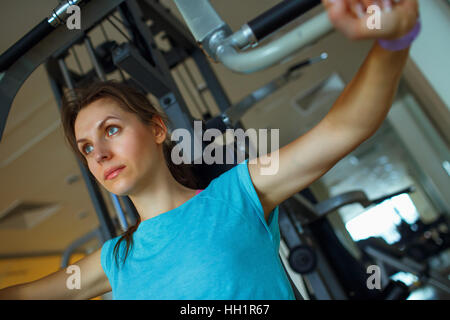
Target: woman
{"x": 222, "y": 242}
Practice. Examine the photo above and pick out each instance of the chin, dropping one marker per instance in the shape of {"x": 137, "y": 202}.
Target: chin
{"x": 119, "y": 189}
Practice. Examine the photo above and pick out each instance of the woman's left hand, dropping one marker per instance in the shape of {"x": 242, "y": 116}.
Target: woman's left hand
{"x": 391, "y": 19}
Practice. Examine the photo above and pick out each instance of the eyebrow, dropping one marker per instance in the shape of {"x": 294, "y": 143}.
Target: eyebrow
{"x": 99, "y": 126}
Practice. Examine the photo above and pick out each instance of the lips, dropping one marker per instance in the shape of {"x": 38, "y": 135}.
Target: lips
{"x": 113, "y": 172}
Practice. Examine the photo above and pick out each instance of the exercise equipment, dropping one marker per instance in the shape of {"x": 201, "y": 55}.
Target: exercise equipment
{"x": 231, "y": 116}
{"x": 44, "y": 28}
{"x": 221, "y": 44}
{"x": 421, "y": 241}
{"x": 337, "y": 273}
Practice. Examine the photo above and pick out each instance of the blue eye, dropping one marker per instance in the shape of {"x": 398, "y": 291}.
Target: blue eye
{"x": 85, "y": 148}
{"x": 108, "y": 130}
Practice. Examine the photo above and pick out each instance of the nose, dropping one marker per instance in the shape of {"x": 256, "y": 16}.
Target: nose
{"x": 102, "y": 153}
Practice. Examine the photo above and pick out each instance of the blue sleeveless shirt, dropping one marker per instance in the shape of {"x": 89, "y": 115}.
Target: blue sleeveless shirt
{"x": 215, "y": 246}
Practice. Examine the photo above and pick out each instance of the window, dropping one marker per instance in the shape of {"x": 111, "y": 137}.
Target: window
{"x": 382, "y": 219}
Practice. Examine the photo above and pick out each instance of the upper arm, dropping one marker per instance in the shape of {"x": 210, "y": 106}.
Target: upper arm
{"x": 301, "y": 162}
{"x": 93, "y": 282}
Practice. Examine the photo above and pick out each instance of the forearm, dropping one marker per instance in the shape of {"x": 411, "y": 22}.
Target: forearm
{"x": 366, "y": 100}
{"x": 12, "y": 293}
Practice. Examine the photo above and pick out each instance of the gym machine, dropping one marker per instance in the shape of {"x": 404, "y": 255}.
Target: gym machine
{"x": 330, "y": 270}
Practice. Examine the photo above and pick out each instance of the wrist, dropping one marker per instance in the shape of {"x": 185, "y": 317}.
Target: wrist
{"x": 403, "y": 42}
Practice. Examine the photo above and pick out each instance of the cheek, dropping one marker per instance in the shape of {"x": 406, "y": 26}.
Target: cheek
{"x": 131, "y": 149}
{"x": 95, "y": 171}
{"x": 138, "y": 149}
{"x": 144, "y": 154}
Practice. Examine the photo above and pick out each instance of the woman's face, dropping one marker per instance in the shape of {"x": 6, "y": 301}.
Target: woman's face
{"x": 110, "y": 138}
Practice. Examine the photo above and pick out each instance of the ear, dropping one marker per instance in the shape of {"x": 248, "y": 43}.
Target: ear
{"x": 159, "y": 129}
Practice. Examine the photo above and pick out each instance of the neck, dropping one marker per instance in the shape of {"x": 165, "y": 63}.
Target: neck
{"x": 162, "y": 194}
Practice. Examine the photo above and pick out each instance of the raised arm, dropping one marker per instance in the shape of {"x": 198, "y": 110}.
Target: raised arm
{"x": 354, "y": 117}
{"x": 54, "y": 286}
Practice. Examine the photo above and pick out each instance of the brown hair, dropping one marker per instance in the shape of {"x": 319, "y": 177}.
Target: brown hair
{"x": 132, "y": 100}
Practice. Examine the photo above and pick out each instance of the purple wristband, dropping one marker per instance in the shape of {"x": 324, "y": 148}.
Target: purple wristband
{"x": 404, "y": 42}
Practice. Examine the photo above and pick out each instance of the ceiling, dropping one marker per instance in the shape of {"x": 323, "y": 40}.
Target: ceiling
{"x": 41, "y": 191}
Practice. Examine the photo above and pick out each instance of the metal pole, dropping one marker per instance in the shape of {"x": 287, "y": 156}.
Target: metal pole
{"x": 95, "y": 234}
{"x": 102, "y": 76}
{"x": 98, "y": 68}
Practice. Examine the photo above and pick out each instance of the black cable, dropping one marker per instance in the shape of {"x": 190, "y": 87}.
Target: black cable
{"x": 126, "y": 25}
{"x": 104, "y": 32}
{"x": 122, "y": 75}
{"x": 200, "y": 94}
{"x": 191, "y": 95}
{"x": 118, "y": 29}
{"x": 75, "y": 55}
